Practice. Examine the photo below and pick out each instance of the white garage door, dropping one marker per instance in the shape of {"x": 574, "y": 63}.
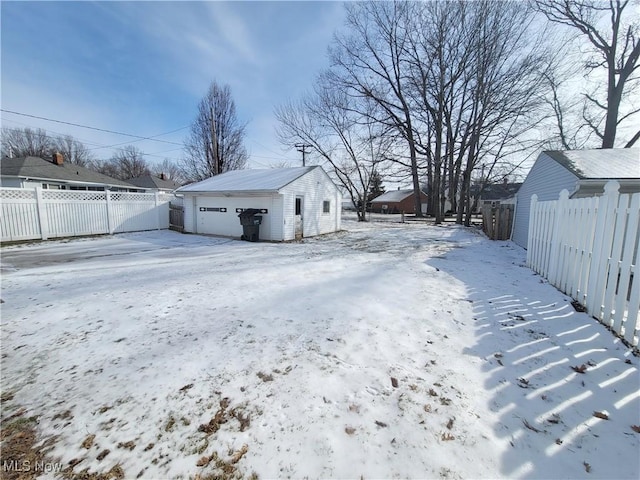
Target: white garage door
{"x": 219, "y": 215}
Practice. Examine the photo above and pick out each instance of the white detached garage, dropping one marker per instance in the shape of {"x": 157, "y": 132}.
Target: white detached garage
{"x": 294, "y": 203}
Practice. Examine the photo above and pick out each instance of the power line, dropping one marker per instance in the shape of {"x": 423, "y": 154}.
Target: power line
{"x": 270, "y": 158}
{"x": 156, "y": 154}
{"x": 98, "y": 146}
{"x": 265, "y": 147}
{"x": 92, "y": 128}
{"x": 142, "y": 139}
{"x": 48, "y": 131}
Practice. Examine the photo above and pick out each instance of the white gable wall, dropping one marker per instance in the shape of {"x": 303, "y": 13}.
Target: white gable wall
{"x": 547, "y": 178}
{"x": 315, "y": 187}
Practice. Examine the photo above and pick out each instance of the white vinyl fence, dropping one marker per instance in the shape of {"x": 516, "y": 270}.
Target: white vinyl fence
{"x": 588, "y": 248}
{"x": 34, "y": 213}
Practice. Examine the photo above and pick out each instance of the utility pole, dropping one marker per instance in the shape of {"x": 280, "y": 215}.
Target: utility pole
{"x": 302, "y": 147}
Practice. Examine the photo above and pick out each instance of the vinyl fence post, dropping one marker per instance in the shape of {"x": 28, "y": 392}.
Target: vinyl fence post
{"x": 158, "y": 210}
{"x": 602, "y": 248}
{"x": 557, "y": 237}
{"x": 110, "y": 222}
{"x": 42, "y": 214}
{"x": 532, "y": 245}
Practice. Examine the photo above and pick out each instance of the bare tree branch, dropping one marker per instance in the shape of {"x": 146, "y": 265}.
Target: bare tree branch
{"x": 633, "y": 140}
{"x": 128, "y": 163}
{"x": 618, "y": 51}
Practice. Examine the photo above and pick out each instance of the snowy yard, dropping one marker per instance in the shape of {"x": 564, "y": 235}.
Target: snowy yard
{"x": 386, "y": 351}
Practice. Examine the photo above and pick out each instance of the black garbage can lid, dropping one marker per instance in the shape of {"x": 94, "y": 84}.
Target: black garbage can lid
{"x": 249, "y": 212}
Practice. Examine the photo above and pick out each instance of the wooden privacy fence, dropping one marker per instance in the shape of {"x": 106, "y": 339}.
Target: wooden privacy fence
{"x": 34, "y": 213}
{"x": 176, "y": 217}
{"x": 497, "y": 220}
{"x": 588, "y": 248}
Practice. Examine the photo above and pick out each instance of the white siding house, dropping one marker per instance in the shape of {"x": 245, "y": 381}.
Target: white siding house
{"x": 298, "y": 202}
{"x": 581, "y": 172}
{"x": 56, "y": 174}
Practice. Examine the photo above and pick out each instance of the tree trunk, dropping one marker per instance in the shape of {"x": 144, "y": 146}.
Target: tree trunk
{"x": 613, "y": 106}
{"x": 417, "y": 204}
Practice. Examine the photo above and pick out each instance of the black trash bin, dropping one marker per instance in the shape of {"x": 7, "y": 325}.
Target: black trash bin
{"x": 250, "y": 222}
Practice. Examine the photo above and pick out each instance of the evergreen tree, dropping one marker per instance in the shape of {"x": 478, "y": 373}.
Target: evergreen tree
{"x": 375, "y": 186}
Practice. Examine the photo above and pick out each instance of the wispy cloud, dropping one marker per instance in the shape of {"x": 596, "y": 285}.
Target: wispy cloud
{"x": 233, "y": 30}
{"x": 142, "y": 67}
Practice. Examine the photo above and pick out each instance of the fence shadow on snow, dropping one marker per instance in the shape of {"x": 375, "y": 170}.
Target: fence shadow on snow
{"x": 544, "y": 407}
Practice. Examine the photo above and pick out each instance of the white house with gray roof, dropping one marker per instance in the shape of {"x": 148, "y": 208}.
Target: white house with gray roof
{"x": 582, "y": 172}
{"x": 294, "y": 202}
{"x": 154, "y": 183}
{"x": 56, "y": 174}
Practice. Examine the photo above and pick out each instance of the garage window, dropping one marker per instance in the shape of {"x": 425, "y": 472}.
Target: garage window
{"x": 213, "y": 209}
{"x": 326, "y": 206}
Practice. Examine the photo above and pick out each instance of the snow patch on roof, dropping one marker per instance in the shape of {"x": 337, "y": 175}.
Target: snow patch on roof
{"x": 611, "y": 163}
{"x": 393, "y": 196}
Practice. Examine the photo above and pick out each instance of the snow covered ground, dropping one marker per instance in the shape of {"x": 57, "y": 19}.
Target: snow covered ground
{"x": 385, "y": 351}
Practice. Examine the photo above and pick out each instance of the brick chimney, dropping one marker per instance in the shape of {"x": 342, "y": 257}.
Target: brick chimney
{"x": 58, "y": 158}
{"x": 162, "y": 176}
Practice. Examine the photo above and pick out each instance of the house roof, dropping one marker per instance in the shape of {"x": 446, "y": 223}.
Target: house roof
{"x": 497, "y": 191}
{"x": 394, "y": 196}
{"x": 152, "y": 181}
{"x": 258, "y": 180}
{"x": 41, "y": 169}
{"x": 603, "y": 164}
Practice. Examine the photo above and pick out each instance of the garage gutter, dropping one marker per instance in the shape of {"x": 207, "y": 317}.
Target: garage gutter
{"x": 232, "y": 193}
{"x": 591, "y": 187}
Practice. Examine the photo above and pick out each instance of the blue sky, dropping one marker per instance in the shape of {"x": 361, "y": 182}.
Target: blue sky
{"x": 142, "y": 67}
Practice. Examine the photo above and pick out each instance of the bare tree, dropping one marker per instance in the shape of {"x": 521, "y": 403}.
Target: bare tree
{"x": 281, "y": 164}
{"x": 474, "y": 72}
{"x": 507, "y": 71}
{"x": 438, "y": 57}
{"x": 38, "y": 143}
{"x": 73, "y": 151}
{"x": 128, "y": 163}
{"x": 215, "y": 144}
{"x": 26, "y": 142}
{"x": 348, "y": 141}
{"x": 616, "y": 50}
{"x": 170, "y": 170}
{"x": 370, "y": 62}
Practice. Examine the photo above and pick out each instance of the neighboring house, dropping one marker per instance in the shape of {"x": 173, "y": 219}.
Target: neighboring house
{"x": 496, "y": 194}
{"x": 155, "y": 183}
{"x": 30, "y": 172}
{"x": 347, "y": 205}
{"x": 295, "y": 202}
{"x": 398, "y": 201}
{"x": 582, "y": 172}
